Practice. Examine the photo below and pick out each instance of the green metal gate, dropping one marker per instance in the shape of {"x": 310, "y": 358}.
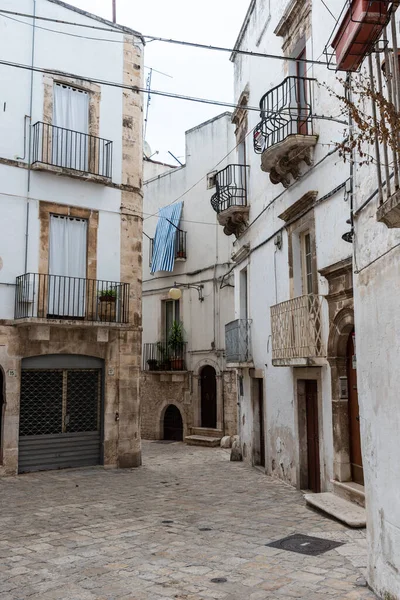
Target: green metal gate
{"x": 60, "y": 419}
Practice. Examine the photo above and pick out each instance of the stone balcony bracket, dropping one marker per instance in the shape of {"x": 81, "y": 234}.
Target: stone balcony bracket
{"x": 282, "y": 160}
{"x": 389, "y": 211}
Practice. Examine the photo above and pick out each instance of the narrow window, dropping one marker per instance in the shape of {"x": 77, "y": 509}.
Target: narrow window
{"x": 307, "y": 264}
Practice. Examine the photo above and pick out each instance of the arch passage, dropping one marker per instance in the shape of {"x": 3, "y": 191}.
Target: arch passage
{"x": 208, "y": 397}
{"x": 173, "y": 424}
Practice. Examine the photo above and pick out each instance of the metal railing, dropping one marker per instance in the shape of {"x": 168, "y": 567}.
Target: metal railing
{"x": 73, "y": 150}
{"x": 285, "y": 110}
{"x": 231, "y": 184}
{"x": 42, "y": 296}
{"x": 163, "y": 356}
{"x": 238, "y": 341}
{"x": 180, "y": 246}
{"x": 296, "y": 327}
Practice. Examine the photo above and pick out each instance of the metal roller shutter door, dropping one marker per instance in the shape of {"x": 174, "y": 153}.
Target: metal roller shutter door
{"x": 59, "y": 419}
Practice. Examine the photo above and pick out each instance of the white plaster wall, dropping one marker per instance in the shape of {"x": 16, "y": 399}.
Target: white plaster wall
{"x": 268, "y": 267}
{"x": 98, "y": 60}
{"x": 377, "y": 314}
{"x": 207, "y": 246}
{"x": 152, "y": 168}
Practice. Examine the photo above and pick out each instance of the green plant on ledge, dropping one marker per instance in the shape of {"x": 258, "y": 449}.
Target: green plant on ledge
{"x": 108, "y": 294}
{"x": 176, "y": 341}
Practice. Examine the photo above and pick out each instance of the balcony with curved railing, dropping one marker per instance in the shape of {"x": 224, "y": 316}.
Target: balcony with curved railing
{"x": 230, "y": 198}
{"x": 285, "y": 135}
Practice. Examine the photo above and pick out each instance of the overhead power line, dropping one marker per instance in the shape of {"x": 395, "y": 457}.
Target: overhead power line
{"x": 133, "y": 88}
{"x": 153, "y": 38}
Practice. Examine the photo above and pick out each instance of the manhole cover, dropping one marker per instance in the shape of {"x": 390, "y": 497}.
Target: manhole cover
{"x": 219, "y": 580}
{"x": 305, "y": 544}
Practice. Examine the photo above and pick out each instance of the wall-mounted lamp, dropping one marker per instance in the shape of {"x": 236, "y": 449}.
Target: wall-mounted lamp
{"x": 176, "y": 294}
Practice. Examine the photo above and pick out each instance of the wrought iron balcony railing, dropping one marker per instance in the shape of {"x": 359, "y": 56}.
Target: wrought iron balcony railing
{"x": 297, "y": 329}
{"x": 180, "y": 246}
{"x": 162, "y": 356}
{"x": 285, "y": 110}
{"x": 59, "y": 147}
{"x": 44, "y": 296}
{"x": 238, "y": 341}
{"x": 231, "y": 184}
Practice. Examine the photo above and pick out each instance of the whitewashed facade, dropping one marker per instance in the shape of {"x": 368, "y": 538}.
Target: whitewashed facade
{"x": 318, "y": 389}
{"x": 294, "y": 234}
{"x": 70, "y": 206}
{"x": 202, "y": 260}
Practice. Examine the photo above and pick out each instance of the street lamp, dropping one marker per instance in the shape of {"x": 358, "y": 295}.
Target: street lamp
{"x": 176, "y": 294}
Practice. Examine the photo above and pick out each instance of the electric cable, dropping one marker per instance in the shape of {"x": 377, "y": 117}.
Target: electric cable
{"x": 172, "y": 41}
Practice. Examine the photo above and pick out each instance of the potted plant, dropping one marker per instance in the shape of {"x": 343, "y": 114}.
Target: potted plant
{"x": 164, "y": 363}
{"x": 107, "y": 299}
{"x": 176, "y": 342}
{"x": 153, "y": 364}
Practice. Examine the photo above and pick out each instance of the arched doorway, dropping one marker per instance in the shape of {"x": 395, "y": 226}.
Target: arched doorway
{"x": 173, "y": 424}
{"x": 1, "y": 413}
{"x": 208, "y": 383}
{"x": 353, "y": 411}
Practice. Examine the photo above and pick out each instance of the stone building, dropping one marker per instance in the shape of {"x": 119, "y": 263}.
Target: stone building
{"x": 298, "y": 407}
{"x": 187, "y": 391}
{"x": 71, "y": 231}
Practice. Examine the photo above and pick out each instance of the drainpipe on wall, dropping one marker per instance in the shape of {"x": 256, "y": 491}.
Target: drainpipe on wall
{"x": 30, "y": 138}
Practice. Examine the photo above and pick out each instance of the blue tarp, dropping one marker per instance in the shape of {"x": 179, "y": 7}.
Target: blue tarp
{"x": 165, "y": 238}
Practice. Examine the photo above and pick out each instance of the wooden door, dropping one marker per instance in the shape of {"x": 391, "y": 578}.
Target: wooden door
{"x": 314, "y": 477}
{"x": 301, "y": 93}
{"x": 354, "y": 415}
{"x": 261, "y": 418}
{"x": 208, "y": 398}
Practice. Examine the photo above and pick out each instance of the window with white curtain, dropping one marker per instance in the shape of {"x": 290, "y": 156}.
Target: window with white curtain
{"x": 71, "y": 127}
{"x": 67, "y": 266}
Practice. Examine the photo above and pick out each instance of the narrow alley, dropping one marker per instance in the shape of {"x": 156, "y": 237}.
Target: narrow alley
{"x": 188, "y": 525}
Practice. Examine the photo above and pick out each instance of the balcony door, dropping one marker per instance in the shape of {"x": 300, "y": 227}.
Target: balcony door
{"x": 70, "y": 140}
{"x": 67, "y": 267}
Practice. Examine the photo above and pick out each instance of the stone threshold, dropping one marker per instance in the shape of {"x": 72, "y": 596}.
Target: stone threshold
{"x": 202, "y": 440}
{"x": 344, "y": 511}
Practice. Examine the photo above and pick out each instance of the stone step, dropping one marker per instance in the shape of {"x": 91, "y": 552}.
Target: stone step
{"x": 202, "y": 440}
{"x": 347, "y": 512}
{"x": 351, "y": 491}
{"x": 207, "y": 432}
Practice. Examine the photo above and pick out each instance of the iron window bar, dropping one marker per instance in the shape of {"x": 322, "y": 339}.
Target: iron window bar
{"x": 43, "y": 296}
{"x": 180, "y": 245}
{"x": 374, "y": 15}
{"x": 231, "y": 187}
{"x": 238, "y": 341}
{"x": 285, "y": 110}
{"x": 68, "y": 149}
{"x": 162, "y": 356}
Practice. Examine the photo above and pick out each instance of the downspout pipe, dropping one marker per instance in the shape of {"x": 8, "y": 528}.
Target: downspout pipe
{"x": 30, "y": 138}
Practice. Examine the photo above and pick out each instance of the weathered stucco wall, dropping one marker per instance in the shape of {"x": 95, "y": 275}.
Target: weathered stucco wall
{"x": 270, "y": 269}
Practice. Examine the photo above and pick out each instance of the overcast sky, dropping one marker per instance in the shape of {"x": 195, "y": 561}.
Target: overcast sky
{"x": 194, "y": 72}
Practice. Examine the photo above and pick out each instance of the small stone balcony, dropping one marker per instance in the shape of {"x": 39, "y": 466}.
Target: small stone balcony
{"x": 285, "y": 137}
{"x": 238, "y": 343}
{"x": 48, "y": 299}
{"x": 71, "y": 153}
{"x": 230, "y": 199}
{"x": 296, "y": 327}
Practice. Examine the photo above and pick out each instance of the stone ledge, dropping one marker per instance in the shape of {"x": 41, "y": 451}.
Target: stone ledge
{"x": 71, "y": 323}
{"x": 351, "y": 514}
{"x": 389, "y": 211}
{"x": 202, "y": 440}
{"x": 82, "y": 175}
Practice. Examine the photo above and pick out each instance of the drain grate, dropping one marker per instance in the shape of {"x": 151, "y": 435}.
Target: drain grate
{"x": 205, "y": 529}
{"x": 305, "y": 544}
{"x": 219, "y": 580}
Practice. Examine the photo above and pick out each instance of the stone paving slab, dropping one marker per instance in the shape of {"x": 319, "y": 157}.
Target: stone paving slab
{"x": 165, "y": 531}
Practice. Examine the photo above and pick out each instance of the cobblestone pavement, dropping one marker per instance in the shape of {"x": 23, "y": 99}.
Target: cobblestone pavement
{"x": 165, "y": 531}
